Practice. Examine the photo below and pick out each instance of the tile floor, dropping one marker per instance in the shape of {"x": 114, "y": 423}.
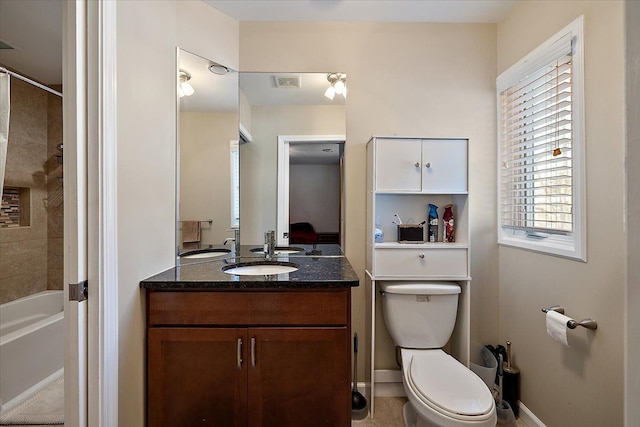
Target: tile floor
{"x": 389, "y": 414}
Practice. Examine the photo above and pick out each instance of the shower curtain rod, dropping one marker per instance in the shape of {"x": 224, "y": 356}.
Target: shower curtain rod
{"x": 25, "y": 79}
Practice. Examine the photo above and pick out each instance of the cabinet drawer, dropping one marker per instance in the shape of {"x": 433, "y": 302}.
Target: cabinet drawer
{"x": 248, "y": 308}
{"x": 424, "y": 262}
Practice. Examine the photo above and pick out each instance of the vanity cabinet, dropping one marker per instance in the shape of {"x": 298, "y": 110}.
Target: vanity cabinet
{"x": 404, "y": 176}
{"x": 249, "y": 358}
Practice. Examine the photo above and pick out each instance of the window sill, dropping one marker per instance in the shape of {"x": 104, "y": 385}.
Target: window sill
{"x": 559, "y": 246}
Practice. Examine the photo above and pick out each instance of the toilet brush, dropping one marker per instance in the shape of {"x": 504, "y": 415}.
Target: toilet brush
{"x": 511, "y": 382}
{"x": 358, "y": 401}
{"x": 503, "y": 410}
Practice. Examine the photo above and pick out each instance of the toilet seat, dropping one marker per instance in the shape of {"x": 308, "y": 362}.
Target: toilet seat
{"x": 447, "y": 387}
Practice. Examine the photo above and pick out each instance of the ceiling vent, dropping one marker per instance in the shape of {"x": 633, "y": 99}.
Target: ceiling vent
{"x": 287, "y": 81}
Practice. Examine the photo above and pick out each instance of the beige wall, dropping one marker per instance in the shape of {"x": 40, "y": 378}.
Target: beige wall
{"x": 632, "y": 374}
{"x": 581, "y": 386}
{"x": 31, "y": 256}
{"x": 258, "y": 159}
{"x": 148, "y": 33}
{"x": 433, "y": 80}
{"x": 205, "y": 171}
{"x": 314, "y": 196}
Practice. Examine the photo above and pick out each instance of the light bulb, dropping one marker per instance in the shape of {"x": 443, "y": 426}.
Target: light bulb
{"x": 330, "y": 92}
{"x": 339, "y": 87}
{"x": 180, "y": 91}
{"x": 187, "y": 89}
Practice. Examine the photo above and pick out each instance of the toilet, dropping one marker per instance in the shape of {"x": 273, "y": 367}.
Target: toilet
{"x": 442, "y": 392}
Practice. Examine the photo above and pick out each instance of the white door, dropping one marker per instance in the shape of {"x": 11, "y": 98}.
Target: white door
{"x": 90, "y": 224}
{"x": 282, "y": 219}
{"x": 75, "y": 211}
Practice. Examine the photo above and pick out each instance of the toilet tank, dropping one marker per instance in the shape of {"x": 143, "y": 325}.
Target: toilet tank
{"x": 420, "y": 314}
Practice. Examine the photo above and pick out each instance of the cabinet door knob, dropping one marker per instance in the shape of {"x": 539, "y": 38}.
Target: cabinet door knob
{"x": 253, "y": 352}
{"x": 417, "y": 164}
{"x": 421, "y": 256}
{"x": 427, "y": 165}
{"x": 239, "y": 353}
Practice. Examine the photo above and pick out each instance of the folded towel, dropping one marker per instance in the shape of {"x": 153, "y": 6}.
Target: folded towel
{"x": 190, "y": 231}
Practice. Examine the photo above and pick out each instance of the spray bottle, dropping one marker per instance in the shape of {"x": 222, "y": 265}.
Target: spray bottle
{"x": 433, "y": 223}
{"x": 448, "y": 232}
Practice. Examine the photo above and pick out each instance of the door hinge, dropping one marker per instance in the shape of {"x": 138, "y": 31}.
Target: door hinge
{"x": 78, "y": 291}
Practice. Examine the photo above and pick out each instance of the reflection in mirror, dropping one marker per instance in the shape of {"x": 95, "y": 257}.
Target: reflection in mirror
{"x": 292, "y": 170}
{"x": 208, "y": 184}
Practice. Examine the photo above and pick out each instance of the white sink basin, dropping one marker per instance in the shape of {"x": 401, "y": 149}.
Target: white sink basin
{"x": 260, "y": 268}
{"x": 204, "y": 253}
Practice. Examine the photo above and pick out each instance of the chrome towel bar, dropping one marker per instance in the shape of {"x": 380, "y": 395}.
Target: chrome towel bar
{"x": 210, "y": 221}
{"x": 571, "y": 323}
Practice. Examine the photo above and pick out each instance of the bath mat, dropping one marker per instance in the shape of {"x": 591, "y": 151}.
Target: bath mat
{"x": 46, "y": 407}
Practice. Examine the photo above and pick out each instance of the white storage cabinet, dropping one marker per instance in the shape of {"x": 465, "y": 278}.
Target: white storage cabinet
{"x": 405, "y": 175}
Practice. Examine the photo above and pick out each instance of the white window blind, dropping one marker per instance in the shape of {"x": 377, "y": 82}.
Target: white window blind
{"x": 541, "y": 163}
{"x": 537, "y": 144}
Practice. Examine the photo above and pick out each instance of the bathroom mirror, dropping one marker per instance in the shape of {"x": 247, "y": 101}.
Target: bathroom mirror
{"x": 291, "y": 157}
{"x": 207, "y": 135}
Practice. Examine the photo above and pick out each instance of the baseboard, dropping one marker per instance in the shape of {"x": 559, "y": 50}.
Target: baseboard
{"x": 528, "y": 417}
{"x": 389, "y": 383}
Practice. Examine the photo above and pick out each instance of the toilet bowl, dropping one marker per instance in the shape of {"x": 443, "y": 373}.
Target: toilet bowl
{"x": 443, "y": 392}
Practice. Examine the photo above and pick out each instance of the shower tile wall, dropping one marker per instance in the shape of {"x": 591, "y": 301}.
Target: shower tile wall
{"x": 31, "y": 257}
{"x": 54, "y": 206}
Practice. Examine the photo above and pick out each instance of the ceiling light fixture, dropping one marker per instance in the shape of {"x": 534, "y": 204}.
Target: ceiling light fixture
{"x": 338, "y": 85}
{"x": 184, "y": 87}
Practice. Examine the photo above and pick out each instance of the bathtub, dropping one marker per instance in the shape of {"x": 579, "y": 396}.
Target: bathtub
{"x": 31, "y": 345}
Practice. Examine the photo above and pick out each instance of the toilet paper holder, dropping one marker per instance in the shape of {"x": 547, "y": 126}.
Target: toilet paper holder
{"x": 572, "y": 324}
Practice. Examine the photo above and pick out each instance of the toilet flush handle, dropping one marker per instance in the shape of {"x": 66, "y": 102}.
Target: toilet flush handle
{"x": 421, "y": 256}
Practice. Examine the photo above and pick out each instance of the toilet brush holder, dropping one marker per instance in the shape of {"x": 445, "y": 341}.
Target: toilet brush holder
{"x": 505, "y": 415}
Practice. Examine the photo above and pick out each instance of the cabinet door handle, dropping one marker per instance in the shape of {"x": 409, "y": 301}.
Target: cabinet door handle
{"x": 239, "y": 353}
{"x": 417, "y": 164}
{"x": 421, "y": 256}
{"x": 427, "y": 165}
{"x": 253, "y": 352}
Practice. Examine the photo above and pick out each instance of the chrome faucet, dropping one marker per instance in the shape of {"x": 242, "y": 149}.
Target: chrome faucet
{"x": 269, "y": 244}
{"x": 235, "y": 240}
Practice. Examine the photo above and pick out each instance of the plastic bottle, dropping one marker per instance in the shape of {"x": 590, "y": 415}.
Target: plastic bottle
{"x": 378, "y": 234}
{"x": 433, "y": 223}
{"x": 448, "y": 225}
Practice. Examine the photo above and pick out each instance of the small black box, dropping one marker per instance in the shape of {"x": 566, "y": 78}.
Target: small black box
{"x": 410, "y": 233}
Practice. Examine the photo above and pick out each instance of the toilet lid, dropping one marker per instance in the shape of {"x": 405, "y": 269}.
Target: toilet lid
{"x": 448, "y": 386}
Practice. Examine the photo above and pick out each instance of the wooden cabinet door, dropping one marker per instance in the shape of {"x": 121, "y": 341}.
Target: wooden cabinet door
{"x": 398, "y": 165}
{"x": 195, "y": 377}
{"x": 300, "y": 377}
{"x": 444, "y": 166}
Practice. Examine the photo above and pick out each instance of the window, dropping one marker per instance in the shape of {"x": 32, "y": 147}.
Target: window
{"x": 235, "y": 185}
{"x": 541, "y": 149}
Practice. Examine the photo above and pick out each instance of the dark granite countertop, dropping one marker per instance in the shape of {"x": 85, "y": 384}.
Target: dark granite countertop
{"x": 313, "y": 272}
